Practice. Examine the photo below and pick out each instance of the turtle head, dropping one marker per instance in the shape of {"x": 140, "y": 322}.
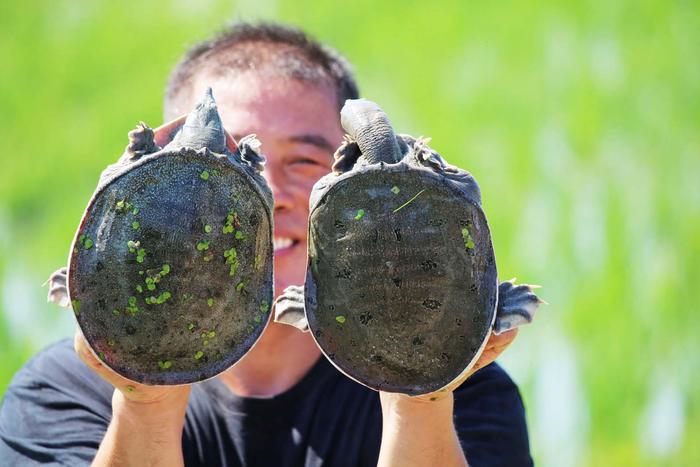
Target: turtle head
{"x": 202, "y": 128}
{"x": 369, "y": 126}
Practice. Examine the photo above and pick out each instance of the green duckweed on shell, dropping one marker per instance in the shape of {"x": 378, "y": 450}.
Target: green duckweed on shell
{"x": 468, "y": 240}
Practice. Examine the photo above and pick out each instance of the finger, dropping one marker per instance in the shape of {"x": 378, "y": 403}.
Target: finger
{"x": 164, "y": 133}
{"x": 87, "y": 355}
{"x": 499, "y": 340}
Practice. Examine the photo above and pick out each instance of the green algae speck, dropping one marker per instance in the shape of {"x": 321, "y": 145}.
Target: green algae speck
{"x": 123, "y": 206}
{"x": 198, "y": 355}
{"x": 264, "y": 306}
{"x": 360, "y": 214}
{"x": 232, "y": 259}
{"x": 164, "y": 365}
{"x": 203, "y": 245}
{"x": 210, "y": 302}
{"x": 135, "y": 225}
{"x": 240, "y": 235}
{"x": 88, "y": 244}
{"x": 190, "y": 327}
{"x": 240, "y": 286}
{"x": 207, "y": 228}
{"x": 395, "y": 190}
{"x": 135, "y": 211}
{"x": 163, "y": 297}
{"x": 165, "y": 270}
{"x": 258, "y": 262}
{"x": 340, "y": 319}
{"x": 211, "y": 334}
{"x": 116, "y": 312}
{"x": 257, "y": 319}
{"x": 468, "y": 240}
{"x": 204, "y": 175}
{"x": 76, "y": 306}
{"x": 139, "y": 289}
{"x": 208, "y": 257}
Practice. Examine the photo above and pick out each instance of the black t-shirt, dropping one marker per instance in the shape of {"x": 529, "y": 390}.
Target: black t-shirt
{"x": 56, "y": 411}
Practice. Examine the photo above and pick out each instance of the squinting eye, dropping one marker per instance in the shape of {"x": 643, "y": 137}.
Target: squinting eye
{"x": 305, "y": 161}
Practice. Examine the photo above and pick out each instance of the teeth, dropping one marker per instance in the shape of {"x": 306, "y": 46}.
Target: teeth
{"x": 279, "y": 243}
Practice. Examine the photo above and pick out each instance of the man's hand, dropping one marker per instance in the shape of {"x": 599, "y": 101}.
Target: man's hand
{"x": 131, "y": 391}
{"x": 495, "y": 346}
{"x": 419, "y": 430}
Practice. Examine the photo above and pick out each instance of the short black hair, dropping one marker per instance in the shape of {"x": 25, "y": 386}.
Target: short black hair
{"x": 273, "y": 47}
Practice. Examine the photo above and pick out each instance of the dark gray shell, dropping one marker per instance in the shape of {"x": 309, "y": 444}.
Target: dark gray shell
{"x": 401, "y": 285}
{"x": 170, "y": 274}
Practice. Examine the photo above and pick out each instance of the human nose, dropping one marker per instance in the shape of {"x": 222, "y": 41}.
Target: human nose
{"x": 280, "y": 186}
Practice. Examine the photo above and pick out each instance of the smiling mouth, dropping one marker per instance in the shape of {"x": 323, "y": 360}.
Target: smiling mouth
{"x": 283, "y": 243}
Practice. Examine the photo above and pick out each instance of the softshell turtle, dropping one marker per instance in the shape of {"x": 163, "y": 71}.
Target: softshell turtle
{"x": 170, "y": 273}
{"x": 401, "y": 291}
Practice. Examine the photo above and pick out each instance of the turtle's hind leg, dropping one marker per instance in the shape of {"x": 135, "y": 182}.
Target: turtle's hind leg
{"x": 58, "y": 288}
{"x": 517, "y": 305}
{"x": 289, "y": 308}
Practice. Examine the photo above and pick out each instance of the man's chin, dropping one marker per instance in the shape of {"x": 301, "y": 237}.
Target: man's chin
{"x": 290, "y": 267}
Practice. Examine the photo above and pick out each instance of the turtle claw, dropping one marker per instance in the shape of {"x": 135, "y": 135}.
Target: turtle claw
{"x": 517, "y": 305}
{"x": 58, "y": 288}
{"x": 289, "y": 308}
{"x": 249, "y": 148}
{"x": 141, "y": 142}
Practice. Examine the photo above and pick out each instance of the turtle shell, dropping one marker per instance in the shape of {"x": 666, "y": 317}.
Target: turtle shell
{"x": 170, "y": 274}
{"x": 401, "y": 284}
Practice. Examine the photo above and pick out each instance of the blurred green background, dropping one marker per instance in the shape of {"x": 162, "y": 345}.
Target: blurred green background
{"x": 578, "y": 119}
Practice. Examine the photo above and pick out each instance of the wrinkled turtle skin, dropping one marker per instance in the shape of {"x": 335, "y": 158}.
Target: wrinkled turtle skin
{"x": 170, "y": 274}
{"x": 401, "y": 286}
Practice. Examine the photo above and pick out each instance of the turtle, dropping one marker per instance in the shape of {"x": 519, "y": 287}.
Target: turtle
{"x": 170, "y": 272}
{"x": 401, "y": 289}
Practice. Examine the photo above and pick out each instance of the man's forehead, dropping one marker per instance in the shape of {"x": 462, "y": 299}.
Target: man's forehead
{"x": 287, "y": 108}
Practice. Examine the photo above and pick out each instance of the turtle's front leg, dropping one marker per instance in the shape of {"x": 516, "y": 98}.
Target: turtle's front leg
{"x": 289, "y": 308}
{"x": 58, "y": 288}
{"x": 516, "y": 305}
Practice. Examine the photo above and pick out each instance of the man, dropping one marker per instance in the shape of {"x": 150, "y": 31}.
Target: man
{"x": 283, "y": 404}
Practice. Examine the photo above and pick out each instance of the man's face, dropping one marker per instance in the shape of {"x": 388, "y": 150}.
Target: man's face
{"x": 299, "y": 127}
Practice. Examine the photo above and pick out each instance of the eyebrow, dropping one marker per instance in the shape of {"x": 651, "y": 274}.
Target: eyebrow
{"x": 306, "y": 138}
{"x": 313, "y": 139}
